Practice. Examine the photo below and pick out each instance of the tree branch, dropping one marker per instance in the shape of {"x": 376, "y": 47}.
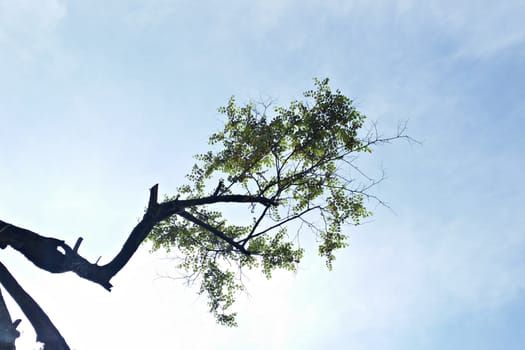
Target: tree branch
{"x": 169, "y": 208}
{"x": 56, "y": 256}
{"x": 46, "y": 332}
{"x": 280, "y": 223}
{"x": 213, "y": 230}
{"x": 8, "y": 332}
{"x": 44, "y": 252}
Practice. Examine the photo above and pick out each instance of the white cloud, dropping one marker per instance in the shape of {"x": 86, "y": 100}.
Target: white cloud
{"x": 482, "y": 29}
{"x": 27, "y": 26}
{"x": 268, "y": 13}
{"x": 478, "y": 28}
{"x": 153, "y": 12}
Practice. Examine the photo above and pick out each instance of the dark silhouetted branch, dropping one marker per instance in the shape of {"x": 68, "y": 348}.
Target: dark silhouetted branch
{"x": 8, "y": 332}
{"x": 46, "y": 332}
{"x": 44, "y": 252}
{"x": 213, "y": 230}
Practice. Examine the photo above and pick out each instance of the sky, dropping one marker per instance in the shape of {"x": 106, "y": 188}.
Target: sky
{"x": 99, "y": 100}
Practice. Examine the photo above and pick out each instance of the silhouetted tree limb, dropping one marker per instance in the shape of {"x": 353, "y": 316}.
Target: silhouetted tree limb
{"x": 8, "y": 332}
{"x": 56, "y": 256}
{"x": 46, "y": 332}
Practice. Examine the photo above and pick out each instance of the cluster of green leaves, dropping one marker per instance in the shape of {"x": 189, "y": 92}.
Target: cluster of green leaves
{"x": 294, "y": 157}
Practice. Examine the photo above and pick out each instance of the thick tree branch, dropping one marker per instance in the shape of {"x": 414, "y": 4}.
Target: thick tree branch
{"x": 8, "y": 332}
{"x": 159, "y": 212}
{"x": 56, "y": 256}
{"x": 171, "y": 207}
{"x": 44, "y": 252}
{"x": 46, "y": 332}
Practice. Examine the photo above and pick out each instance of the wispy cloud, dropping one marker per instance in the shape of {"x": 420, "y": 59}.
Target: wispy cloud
{"x": 477, "y": 28}
{"x": 482, "y": 28}
{"x": 28, "y": 26}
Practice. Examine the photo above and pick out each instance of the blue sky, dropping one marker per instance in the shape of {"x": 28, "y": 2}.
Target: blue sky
{"x": 101, "y": 100}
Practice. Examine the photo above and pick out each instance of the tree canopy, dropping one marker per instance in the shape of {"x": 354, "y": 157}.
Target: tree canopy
{"x": 293, "y": 163}
{"x": 282, "y": 167}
